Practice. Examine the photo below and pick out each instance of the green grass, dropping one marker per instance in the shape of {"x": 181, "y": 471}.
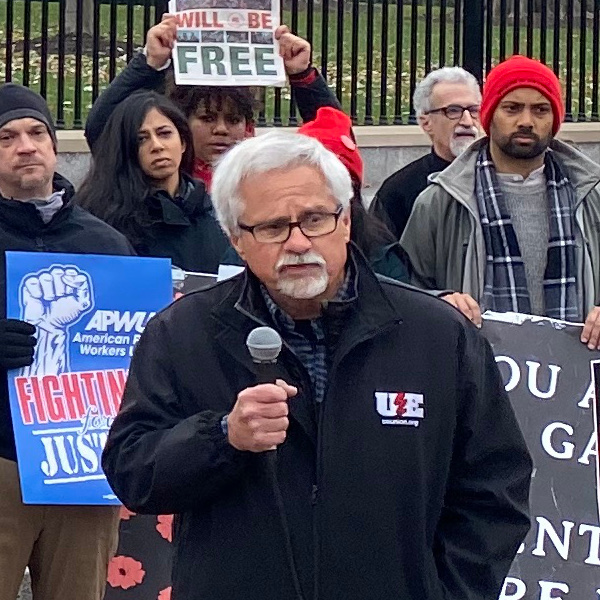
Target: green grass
{"x": 380, "y": 64}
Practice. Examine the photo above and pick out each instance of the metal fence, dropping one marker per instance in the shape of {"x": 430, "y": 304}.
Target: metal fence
{"x": 372, "y": 52}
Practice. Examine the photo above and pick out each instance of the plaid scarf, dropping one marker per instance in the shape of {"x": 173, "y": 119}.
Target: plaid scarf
{"x": 505, "y": 283}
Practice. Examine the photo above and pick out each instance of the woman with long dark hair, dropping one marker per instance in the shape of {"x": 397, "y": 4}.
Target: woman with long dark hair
{"x": 139, "y": 184}
{"x": 219, "y": 116}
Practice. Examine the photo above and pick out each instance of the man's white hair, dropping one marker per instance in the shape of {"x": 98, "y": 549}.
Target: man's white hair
{"x": 272, "y": 151}
{"x": 424, "y": 89}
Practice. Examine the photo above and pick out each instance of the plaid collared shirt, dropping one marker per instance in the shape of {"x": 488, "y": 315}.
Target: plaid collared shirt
{"x": 306, "y": 338}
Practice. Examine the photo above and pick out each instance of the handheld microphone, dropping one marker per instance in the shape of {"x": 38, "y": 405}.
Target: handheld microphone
{"x": 264, "y": 345}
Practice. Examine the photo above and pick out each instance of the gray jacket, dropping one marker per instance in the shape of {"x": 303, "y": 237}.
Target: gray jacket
{"x": 444, "y": 240}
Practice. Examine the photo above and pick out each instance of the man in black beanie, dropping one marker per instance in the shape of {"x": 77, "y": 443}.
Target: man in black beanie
{"x": 67, "y": 548}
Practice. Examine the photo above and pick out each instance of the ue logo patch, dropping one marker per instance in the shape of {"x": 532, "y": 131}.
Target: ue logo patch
{"x": 400, "y": 408}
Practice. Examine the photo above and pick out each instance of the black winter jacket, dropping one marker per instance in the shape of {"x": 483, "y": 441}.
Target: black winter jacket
{"x": 359, "y": 509}
{"x": 139, "y": 76}
{"x": 396, "y": 197}
{"x": 184, "y": 229}
{"x": 71, "y": 230}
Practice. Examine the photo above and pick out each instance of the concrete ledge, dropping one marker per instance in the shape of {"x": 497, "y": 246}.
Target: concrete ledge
{"x": 391, "y": 136}
{"x": 71, "y": 141}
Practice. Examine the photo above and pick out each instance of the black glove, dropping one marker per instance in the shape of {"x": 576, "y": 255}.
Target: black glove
{"x": 16, "y": 343}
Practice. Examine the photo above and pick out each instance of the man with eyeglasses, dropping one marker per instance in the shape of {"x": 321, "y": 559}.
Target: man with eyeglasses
{"x": 355, "y": 474}
{"x": 447, "y": 104}
{"x": 514, "y": 223}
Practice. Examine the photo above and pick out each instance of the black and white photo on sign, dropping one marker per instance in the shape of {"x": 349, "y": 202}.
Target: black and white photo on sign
{"x": 261, "y": 37}
{"x": 215, "y": 36}
{"x": 236, "y": 37}
{"x": 241, "y": 4}
{"x": 188, "y": 35}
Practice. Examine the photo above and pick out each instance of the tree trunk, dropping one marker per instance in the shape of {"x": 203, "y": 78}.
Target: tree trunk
{"x": 537, "y": 7}
{"x": 87, "y": 18}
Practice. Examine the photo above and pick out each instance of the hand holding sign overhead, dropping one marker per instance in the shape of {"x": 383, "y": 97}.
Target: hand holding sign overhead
{"x": 294, "y": 50}
{"x": 232, "y": 42}
{"x": 160, "y": 40}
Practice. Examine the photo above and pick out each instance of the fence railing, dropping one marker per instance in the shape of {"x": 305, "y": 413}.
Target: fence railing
{"x": 373, "y": 52}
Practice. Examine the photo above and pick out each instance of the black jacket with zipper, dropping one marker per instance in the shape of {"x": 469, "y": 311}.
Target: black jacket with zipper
{"x": 72, "y": 230}
{"x": 184, "y": 229}
{"x": 358, "y": 509}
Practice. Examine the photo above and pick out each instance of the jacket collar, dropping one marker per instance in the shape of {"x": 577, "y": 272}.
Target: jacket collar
{"x": 244, "y": 308}
{"x": 189, "y": 203}
{"x": 458, "y": 179}
{"x": 24, "y": 216}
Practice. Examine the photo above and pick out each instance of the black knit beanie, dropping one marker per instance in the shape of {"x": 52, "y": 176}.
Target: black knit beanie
{"x": 19, "y": 102}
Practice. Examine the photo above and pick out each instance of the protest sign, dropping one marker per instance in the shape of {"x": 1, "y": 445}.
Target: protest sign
{"x": 547, "y": 372}
{"x": 185, "y": 282}
{"x": 89, "y": 312}
{"x": 227, "y": 42}
{"x": 597, "y": 421}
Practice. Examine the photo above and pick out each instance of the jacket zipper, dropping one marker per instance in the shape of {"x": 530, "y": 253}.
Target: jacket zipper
{"x": 317, "y": 487}
{"x": 315, "y": 499}
{"x": 272, "y": 474}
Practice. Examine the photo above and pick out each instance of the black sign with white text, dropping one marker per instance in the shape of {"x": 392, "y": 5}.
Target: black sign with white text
{"x": 548, "y": 374}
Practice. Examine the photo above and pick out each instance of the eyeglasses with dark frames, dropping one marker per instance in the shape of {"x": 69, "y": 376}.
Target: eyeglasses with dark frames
{"x": 454, "y": 112}
{"x": 312, "y": 225}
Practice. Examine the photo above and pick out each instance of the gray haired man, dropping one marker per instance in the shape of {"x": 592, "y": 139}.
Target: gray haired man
{"x": 447, "y": 105}
{"x": 354, "y": 474}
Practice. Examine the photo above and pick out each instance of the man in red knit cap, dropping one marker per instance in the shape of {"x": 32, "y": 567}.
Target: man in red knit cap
{"x": 514, "y": 223}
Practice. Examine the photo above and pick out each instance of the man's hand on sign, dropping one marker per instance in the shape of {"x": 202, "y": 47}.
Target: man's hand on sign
{"x": 160, "y": 40}
{"x": 467, "y": 306}
{"x": 591, "y": 329}
{"x": 294, "y": 50}
{"x": 259, "y": 418}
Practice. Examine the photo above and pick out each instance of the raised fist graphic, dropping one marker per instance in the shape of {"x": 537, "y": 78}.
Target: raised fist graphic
{"x": 52, "y": 300}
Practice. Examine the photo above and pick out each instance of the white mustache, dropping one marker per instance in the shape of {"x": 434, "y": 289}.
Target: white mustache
{"x": 310, "y": 257}
{"x": 466, "y": 131}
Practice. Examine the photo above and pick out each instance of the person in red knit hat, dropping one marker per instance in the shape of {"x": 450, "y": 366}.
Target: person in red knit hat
{"x": 514, "y": 223}
{"x": 333, "y": 128}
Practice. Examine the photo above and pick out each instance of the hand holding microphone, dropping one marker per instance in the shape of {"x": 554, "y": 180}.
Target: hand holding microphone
{"x": 258, "y": 421}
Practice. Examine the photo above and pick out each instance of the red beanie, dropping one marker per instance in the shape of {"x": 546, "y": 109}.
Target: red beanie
{"x": 521, "y": 72}
{"x": 333, "y": 128}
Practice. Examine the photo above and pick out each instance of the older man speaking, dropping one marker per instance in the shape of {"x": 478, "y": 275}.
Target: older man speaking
{"x": 382, "y": 462}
